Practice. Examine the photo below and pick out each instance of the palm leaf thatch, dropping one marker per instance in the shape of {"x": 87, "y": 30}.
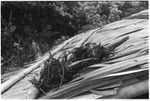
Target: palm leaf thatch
{"x": 105, "y": 62}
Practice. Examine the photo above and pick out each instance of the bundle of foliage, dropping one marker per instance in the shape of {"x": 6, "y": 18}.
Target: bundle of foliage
{"x": 57, "y": 72}
{"x": 90, "y": 50}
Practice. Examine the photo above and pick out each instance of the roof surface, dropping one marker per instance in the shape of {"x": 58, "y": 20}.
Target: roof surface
{"x": 134, "y": 27}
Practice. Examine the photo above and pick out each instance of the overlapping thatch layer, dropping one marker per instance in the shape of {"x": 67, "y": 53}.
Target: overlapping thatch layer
{"x": 126, "y": 71}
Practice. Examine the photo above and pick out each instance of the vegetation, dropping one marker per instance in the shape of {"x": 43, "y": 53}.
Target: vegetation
{"x": 57, "y": 72}
{"x": 31, "y": 28}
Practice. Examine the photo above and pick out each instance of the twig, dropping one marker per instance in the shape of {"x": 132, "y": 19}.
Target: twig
{"x": 7, "y": 61}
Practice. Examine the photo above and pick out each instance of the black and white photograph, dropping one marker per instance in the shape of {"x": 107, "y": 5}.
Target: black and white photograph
{"x": 75, "y": 49}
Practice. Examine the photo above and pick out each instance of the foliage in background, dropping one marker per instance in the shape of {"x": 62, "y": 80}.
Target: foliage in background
{"x": 48, "y": 23}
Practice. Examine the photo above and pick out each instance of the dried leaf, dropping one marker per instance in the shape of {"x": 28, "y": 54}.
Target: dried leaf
{"x": 106, "y": 92}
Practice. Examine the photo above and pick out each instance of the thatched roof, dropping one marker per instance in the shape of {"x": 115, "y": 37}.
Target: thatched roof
{"x": 132, "y": 52}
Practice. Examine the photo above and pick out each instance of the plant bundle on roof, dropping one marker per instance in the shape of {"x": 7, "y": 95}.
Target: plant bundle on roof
{"x": 56, "y": 73}
{"x": 90, "y": 50}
